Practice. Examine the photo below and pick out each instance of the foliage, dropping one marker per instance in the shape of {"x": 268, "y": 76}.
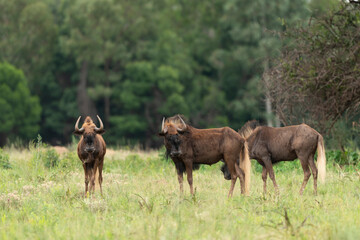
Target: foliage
{"x": 19, "y": 112}
{"x": 316, "y": 79}
{"x": 69, "y": 161}
{"x": 51, "y": 158}
{"x": 343, "y": 157}
{"x": 4, "y": 160}
{"x": 133, "y": 62}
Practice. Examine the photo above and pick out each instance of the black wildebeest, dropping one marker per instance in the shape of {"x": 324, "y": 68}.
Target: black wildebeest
{"x": 188, "y": 147}
{"x": 270, "y": 145}
{"x": 91, "y": 151}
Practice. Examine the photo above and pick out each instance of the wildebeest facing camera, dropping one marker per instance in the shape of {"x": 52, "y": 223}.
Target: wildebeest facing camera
{"x": 91, "y": 150}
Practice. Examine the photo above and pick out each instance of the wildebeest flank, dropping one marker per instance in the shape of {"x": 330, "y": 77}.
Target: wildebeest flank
{"x": 270, "y": 145}
{"x": 188, "y": 147}
{"x": 91, "y": 151}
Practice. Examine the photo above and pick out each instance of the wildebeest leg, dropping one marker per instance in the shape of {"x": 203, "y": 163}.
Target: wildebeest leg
{"x": 180, "y": 168}
{"x": 264, "y": 178}
{"x": 234, "y": 176}
{"x": 307, "y": 174}
{"x": 180, "y": 179}
{"x": 188, "y": 167}
{"x": 241, "y": 176}
{"x": 93, "y": 176}
{"x": 100, "y": 167}
{"x": 314, "y": 171}
{"x": 86, "y": 178}
{"x": 270, "y": 170}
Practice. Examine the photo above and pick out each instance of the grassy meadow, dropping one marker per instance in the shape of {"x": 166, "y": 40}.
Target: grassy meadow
{"x": 41, "y": 197}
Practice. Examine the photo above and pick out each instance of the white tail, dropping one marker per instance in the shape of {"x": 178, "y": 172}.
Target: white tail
{"x": 245, "y": 165}
{"x": 321, "y": 159}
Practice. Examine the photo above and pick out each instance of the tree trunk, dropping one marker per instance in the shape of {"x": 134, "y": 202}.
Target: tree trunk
{"x": 267, "y": 98}
{"x": 3, "y": 138}
{"x": 85, "y": 104}
{"x": 107, "y": 96}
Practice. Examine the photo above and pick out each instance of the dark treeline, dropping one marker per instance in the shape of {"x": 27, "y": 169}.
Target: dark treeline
{"x": 133, "y": 62}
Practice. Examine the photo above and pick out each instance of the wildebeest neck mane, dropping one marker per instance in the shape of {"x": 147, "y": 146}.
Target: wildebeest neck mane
{"x": 248, "y": 128}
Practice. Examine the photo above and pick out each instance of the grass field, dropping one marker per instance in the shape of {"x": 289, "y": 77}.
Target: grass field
{"x": 41, "y": 197}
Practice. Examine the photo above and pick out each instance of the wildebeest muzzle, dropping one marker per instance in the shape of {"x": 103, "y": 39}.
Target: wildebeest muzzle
{"x": 89, "y": 149}
{"x": 175, "y": 146}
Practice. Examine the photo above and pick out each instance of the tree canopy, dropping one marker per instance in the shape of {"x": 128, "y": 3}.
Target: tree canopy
{"x": 19, "y": 111}
{"x": 317, "y": 77}
{"x": 133, "y": 62}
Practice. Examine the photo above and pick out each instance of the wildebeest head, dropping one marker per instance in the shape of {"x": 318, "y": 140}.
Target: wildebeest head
{"x": 172, "y": 130}
{"x": 226, "y": 172}
{"x": 88, "y": 131}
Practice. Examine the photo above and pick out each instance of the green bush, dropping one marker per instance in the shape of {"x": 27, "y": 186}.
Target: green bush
{"x": 4, "y": 160}
{"x": 50, "y": 158}
{"x": 69, "y": 161}
{"x": 343, "y": 157}
{"x": 20, "y": 111}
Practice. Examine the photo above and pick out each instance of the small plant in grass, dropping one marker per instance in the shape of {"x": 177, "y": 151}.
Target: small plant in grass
{"x": 50, "y": 158}
{"x": 343, "y": 157}
{"x": 4, "y": 160}
{"x": 69, "y": 161}
{"x": 10, "y": 200}
{"x": 36, "y": 168}
{"x": 43, "y": 155}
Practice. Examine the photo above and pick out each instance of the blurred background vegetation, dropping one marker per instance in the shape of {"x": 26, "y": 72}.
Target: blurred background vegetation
{"x": 133, "y": 62}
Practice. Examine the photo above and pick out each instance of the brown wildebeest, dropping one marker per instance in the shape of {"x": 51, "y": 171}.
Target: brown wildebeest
{"x": 270, "y": 145}
{"x": 91, "y": 151}
{"x": 189, "y": 147}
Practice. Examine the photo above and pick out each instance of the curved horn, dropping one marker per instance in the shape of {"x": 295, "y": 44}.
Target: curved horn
{"x": 163, "y": 128}
{"x": 181, "y": 129}
{"x": 101, "y": 124}
{"x": 77, "y": 126}
{"x": 162, "y": 124}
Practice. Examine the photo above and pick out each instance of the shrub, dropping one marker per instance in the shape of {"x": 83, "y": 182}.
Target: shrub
{"x": 4, "y": 160}
{"x": 70, "y": 161}
{"x": 50, "y": 158}
{"x": 343, "y": 157}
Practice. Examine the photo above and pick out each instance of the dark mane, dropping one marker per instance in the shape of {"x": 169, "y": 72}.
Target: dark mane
{"x": 248, "y": 128}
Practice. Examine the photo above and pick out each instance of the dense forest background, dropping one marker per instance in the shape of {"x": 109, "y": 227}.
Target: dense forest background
{"x": 133, "y": 62}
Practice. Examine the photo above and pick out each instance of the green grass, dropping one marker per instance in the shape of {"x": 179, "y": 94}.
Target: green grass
{"x": 141, "y": 200}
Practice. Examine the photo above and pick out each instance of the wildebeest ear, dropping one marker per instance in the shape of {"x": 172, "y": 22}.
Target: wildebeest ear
{"x": 76, "y": 132}
{"x": 182, "y": 131}
{"x": 161, "y": 134}
{"x": 100, "y": 131}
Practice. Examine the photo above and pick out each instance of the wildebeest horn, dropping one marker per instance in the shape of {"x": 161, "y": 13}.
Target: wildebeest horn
{"x": 163, "y": 129}
{"x": 181, "y": 129}
{"x": 77, "y": 126}
{"x": 101, "y": 124}
{"x": 162, "y": 124}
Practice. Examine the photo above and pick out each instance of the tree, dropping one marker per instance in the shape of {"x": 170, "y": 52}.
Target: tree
{"x": 133, "y": 62}
{"x": 249, "y": 45}
{"x": 317, "y": 77}
{"x": 20, "y": 112}
{"x": 29, "y": 41}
